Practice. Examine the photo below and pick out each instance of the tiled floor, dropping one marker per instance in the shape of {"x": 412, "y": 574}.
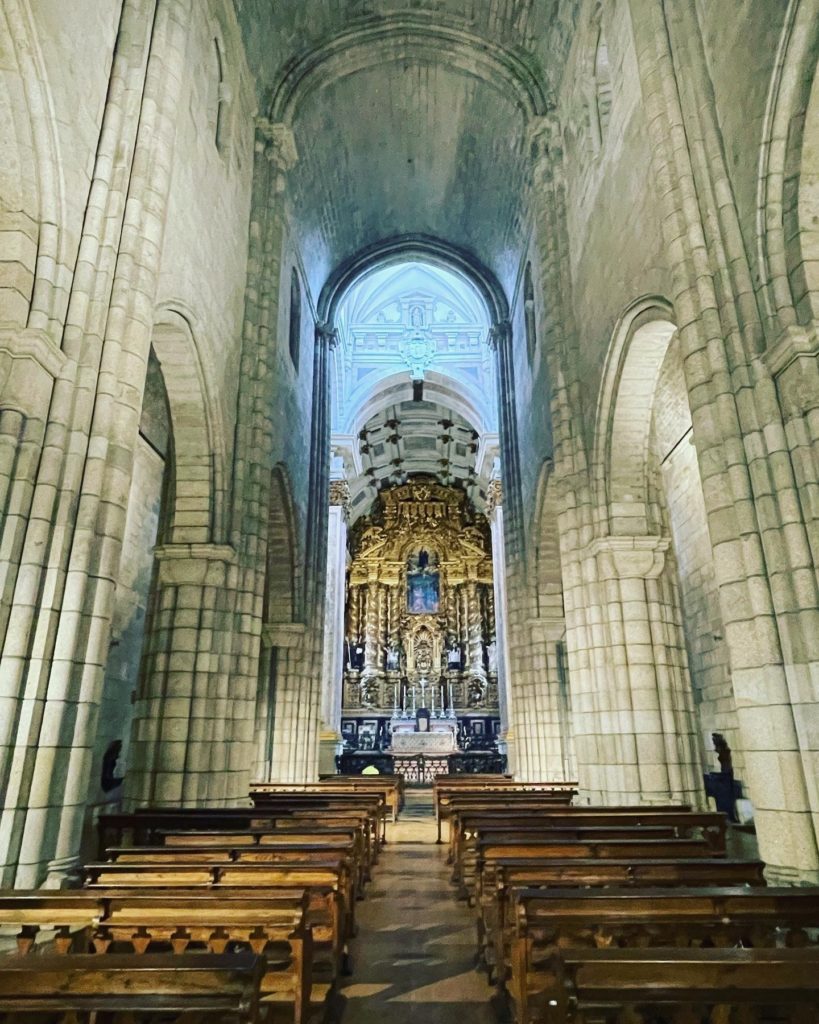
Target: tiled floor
{"x": 414, "y": 957}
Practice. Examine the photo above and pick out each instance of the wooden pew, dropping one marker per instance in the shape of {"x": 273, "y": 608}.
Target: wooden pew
{"x": 679, "y": 986}
{"x": 467, "y": 823}
{"x": 275, "y": 927}
{"x": 225, "y": 987}
{"x": 547, "y": 921}
{"x": 317, "y": 799}
{"x": 301, "y": 853}
{"x": 491, "y": 850}
{"x": 445, "y": 795}
{"x": 332, "y": 900}
{"x": 231, "y": 845}
{"x": 386, "y": 791}
{"x": 143, "y": 827}
{"x": 502, "y": 877}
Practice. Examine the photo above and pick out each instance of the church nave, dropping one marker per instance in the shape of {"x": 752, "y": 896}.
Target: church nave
{"x": 414, "y": 956}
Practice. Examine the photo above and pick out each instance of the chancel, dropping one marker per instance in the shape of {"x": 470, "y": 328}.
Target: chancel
{"x": 409, "y": 511}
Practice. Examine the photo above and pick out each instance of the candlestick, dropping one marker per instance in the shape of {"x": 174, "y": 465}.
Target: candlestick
{"x": 432, "y": 700}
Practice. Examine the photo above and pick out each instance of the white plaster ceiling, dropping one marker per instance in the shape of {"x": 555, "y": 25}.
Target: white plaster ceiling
{"x": 412, "y": 320}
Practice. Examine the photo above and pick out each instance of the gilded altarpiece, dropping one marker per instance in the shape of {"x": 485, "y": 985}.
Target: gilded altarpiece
{"x": 420, "y": 615}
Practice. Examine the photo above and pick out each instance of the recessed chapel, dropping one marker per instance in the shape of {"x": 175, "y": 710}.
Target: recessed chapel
{"x": 402, "y": 390}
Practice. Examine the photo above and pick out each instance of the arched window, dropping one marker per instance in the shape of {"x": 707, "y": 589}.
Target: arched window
{"x": 529, "y": 312}
{"x": 602, "y": 85}
{"x": 295, "y": 319}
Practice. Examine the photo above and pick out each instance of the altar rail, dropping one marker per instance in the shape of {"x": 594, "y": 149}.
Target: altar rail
{"x": 421, "y": 769}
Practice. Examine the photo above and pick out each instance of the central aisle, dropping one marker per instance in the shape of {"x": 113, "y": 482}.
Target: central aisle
{"x": 414, "y": 957}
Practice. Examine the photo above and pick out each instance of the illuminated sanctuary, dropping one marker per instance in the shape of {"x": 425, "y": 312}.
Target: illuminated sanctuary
{"x": 416, "y": 664}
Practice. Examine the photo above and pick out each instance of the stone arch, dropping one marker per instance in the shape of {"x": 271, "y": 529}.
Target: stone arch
{"x": 196, "y": 513}
{"x": 620, "y": 462}
{"x": 283, "y": 584}
{"x": 424, "y": 248}
{"x": 548, "y": 576}
{"x": 31, "y": 186}
{"x": 788, "y": 180}
{"x": 401, "y": 36}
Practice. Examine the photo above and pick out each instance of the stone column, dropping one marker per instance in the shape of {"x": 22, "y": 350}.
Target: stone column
{"x": 495, "y": 513}
{"x": 645, "y": 748}
{"x": 203, "y": 645}
{"x": 333, "y": 665}
{"x": 762, "y": 551}
{"x": 58, "y": 632}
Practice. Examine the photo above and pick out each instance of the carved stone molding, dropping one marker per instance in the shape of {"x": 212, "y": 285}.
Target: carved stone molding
{"x": 793, "y": 361}
{"x": 203, "y": 565}
{"x": 624, "y": 558}
{"x": 340, "y": 495}
{"x": 494, "y": 495}
{"x": 278, "y": 143}
{"x": 29, "y": 364}
{"x": 283, "y": 634}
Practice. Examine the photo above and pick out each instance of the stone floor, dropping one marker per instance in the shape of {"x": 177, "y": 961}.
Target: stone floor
{"x": 414, "y": 957}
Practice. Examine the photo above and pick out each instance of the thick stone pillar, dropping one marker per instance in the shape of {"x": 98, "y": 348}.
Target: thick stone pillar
{"x": 763, "y": 559}
{"x": 333, "y": 665}
{"x": 181, "y": 746}
{"x": 56, "y": 643}
{"x": 640, "y": 736}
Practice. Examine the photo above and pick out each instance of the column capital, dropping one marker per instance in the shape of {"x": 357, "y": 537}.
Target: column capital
{"x": 545, "y": 140}
{"x": 793, "y": 362}
{"x": 499, "y": 332}
{"x": 340, "y": 495}
{"x": 276, "y": 141}
{"x": 494, "y": 495}
{"x": 326, "y": 333}
{"x": 30, "y": 362}
{"x": 194, "y": 564}
{"x": 283, "y": 634}
{"x": 635, "y": 557}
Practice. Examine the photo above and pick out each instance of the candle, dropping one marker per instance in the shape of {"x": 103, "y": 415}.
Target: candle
{"x": 432, "y": 700}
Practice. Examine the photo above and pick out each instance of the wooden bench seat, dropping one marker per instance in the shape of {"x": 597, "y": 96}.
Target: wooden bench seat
{"x": 320, "y": 879}
{"x": 500, "y": 879}
{"x": 277, "y": 928}
{"x": 386, "y": 786}
{"x": 490, "y": 850}
{"x": 223, "y": 986}
{"x": 547, "y": 921}
{"x": 143, "y": 827}
{"x": 532, "y": 795}
{"x": 680, "y": 986}
{"x": 466, "y": 824}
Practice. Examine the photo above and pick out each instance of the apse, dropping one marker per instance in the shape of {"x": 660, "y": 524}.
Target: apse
{"x": 413, "y": 664}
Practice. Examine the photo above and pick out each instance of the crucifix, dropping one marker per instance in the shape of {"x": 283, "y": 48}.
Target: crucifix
{"x": 423, "y": 684}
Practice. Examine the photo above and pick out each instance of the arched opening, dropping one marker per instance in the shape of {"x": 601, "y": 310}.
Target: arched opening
{"x": 281, "y": 633}
{"x": 543, "y": 714}
{"x": 415, "y": 443}
{"x": 294, "y": 322}
{"x": 655, "y": 534}
{"x": 529, "y": 313}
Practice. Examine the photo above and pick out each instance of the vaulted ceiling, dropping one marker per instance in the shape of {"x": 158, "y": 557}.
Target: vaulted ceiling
{"x": 409, "y": 118}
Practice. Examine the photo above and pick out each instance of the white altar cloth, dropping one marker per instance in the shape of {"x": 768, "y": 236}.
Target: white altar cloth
{"x": 438, "y": 742}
